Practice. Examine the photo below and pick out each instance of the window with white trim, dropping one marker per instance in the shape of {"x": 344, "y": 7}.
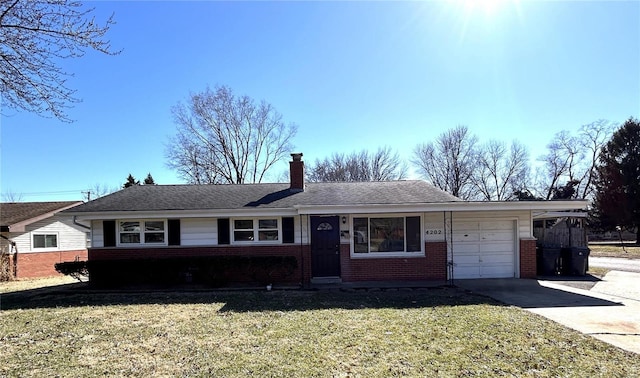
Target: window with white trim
{"x": 256, "y": 230}
{"x": 45, "y": 241}
{"x": 386, "y": 235}
{"x": 151, "y": 232}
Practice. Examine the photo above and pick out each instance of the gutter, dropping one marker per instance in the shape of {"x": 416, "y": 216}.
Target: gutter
{"x": 75, "y": 221}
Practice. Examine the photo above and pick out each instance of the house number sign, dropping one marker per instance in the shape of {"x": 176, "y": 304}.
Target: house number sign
{"x": 434, "y": 234}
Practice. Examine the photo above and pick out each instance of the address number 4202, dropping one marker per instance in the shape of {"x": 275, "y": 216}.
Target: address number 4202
{"x": 434, "y": 232}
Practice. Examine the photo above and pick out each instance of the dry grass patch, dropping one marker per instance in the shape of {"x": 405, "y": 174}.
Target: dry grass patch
{"x": 615, "y": 250}
{"x": 34, "y": 283}
{"x": 437, "y": 332}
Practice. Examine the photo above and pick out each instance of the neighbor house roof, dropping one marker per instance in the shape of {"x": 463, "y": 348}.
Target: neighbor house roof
{"x": 14, "y": 216}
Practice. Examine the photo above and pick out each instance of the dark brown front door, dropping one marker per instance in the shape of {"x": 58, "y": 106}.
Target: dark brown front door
{"x": 325, "y": 247}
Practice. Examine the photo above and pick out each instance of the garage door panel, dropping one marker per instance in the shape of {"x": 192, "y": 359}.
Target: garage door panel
{"x": 497, "y": 247}
{"x": 465, "y": 271}
{"x": 503, "y": 271}
{"x": 465, "y": 249}
{"x": 467, "y": 259}
{"x": 498, "y": 259}
{"x": 497, "y": 236}
{"x": 484, "y": 249}
{"x": 466, "y": 237}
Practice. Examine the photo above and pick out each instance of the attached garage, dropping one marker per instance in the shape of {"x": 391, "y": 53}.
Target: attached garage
{"x": 484, "y": 249}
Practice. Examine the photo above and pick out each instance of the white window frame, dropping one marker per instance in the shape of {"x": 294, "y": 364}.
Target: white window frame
{"x": 45, "y": 233}
{"x": 141, "y": 232}
{"x": 256, "y": 230}
{"x": 399, "y": 254}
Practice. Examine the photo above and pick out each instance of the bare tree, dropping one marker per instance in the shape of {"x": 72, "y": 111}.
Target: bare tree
{"x": 593, "y": 137}
{"x": 222, "y": 138}
{"x": 559, "y": 164}
{"x": 383, "y": 165}
{"x": 501, "y": 171}
{"x": 449, "y": 163}
{"x": 571, "y": 161}
{"x": 11, "y": 196}
{"x": 34, "y": 34}
{"x": 99, "y": 190}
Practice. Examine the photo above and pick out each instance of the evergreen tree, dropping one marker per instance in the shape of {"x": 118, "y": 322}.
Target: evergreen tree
{"x": 617, "y": 201}
{"x": 149, "y": 180}
{"x": 131, "y": 181}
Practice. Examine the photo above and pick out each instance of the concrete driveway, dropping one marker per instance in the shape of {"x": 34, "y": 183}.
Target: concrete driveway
{"x": 608, "y": 311}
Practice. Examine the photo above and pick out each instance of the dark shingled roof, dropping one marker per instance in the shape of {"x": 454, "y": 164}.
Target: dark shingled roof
{"x": 16, "y": 212}
{"x": 269, "y": 196}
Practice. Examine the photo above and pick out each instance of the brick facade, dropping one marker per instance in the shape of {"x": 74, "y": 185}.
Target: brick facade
{"x": 432, "y": 266}
{"x": 528, "y": 258}
{"x": 41, "y": 264}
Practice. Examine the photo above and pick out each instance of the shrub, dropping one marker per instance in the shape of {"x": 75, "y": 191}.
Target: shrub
{"x": 76, "y": 269}
{"x": 216, "y": 271}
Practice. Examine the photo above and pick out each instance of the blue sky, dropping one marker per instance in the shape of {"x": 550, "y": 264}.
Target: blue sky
{"x": 353, "y": 75}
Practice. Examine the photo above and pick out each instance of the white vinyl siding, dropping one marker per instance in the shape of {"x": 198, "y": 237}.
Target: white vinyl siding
{"x": 70, "y": 237}
{"x": 198, "y": 231}
{"x": 97, "y": 234}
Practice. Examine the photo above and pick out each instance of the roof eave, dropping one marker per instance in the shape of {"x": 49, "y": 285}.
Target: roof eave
{"x": 446, "y": 206}
{"x": 22, "y": 225}
{"x": 204, "y": 213}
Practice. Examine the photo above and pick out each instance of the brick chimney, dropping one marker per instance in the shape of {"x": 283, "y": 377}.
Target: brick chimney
{"x": 296, "y": 172}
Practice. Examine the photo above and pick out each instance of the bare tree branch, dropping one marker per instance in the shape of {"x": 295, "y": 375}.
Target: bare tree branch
{"x": 33, "y": 35}
{"x": 449, "y": 163}
{"x": 222, "y": 138}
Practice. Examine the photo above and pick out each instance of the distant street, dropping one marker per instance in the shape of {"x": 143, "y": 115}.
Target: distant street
{"x": 625, "y": 265}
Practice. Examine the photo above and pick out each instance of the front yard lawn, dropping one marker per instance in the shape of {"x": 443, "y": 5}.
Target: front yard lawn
{"x": 421, "y": 333}
{"x": 630, "y": 251}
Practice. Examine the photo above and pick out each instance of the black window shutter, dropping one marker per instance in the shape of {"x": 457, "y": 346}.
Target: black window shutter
{"x": 174, "y": 231}
{"x": 288, "y": 234}
{"x": 109, "y": 229}
{"x": 223, "y": 231}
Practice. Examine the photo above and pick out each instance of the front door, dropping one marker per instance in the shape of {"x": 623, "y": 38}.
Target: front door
{"x": 325, "y": 247}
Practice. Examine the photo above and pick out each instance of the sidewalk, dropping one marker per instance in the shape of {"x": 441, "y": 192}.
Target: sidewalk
{"x": 609, "y": 311}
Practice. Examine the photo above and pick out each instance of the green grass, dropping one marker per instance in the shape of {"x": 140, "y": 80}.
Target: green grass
{"x": 421, "y": 333}
{"x": 615, "y": 250}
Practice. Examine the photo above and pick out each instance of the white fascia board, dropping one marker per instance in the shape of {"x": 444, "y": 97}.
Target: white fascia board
{"x": 223, "y": 213}
{"x": 447, "y": 206}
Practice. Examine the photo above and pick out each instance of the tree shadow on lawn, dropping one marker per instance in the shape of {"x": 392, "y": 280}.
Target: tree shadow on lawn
{"x": 77, "y": 295}
{"x": 521, "y": 293}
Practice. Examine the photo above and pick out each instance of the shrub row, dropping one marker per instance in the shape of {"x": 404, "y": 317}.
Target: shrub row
{"x": 215, "y": 271}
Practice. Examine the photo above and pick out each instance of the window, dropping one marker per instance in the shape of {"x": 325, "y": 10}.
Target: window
{"x": 262, "y": 230}
{"x": 45, "y": 241}
{"x": 386, "y": 235}
{"x": 151, "y": 232}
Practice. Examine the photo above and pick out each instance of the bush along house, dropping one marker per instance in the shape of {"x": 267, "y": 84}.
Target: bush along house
{"x": 301, "y": 233}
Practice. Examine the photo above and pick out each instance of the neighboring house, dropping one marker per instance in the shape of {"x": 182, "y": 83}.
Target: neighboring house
{"x": 34, "y": 236}
{"x": 342, "y": 231}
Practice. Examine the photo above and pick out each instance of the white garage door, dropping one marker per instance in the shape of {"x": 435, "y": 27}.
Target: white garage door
{"x": 484, "y": 249}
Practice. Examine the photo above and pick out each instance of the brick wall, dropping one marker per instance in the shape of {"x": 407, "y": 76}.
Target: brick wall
{"x": 527, "y": 258}
{"x": 302, "y": 273}
{"x": 433, "y": 266}
{"x": 41, "y": 264}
